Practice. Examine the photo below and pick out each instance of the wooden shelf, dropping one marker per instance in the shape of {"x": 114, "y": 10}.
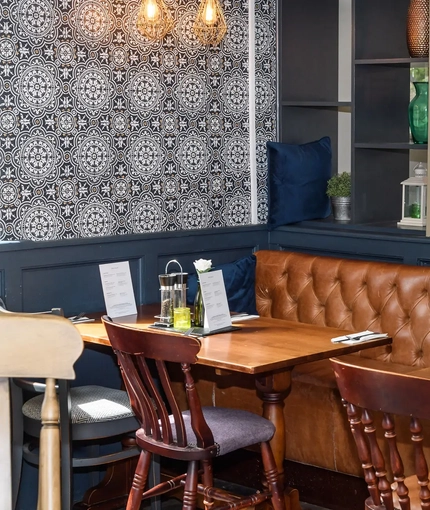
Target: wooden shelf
{"x": 314, "y": 73}
{"x": 391, "y": 61}
{"x": 317, "y": 104}
{"x": 391, "y": 146}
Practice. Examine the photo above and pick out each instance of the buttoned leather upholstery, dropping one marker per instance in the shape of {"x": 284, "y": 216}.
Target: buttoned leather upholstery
{"x": 348, "y": 294}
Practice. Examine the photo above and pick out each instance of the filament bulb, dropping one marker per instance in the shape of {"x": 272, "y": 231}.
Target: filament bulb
{"x": 209, "y": 13}
{"x": 151, "y": 10}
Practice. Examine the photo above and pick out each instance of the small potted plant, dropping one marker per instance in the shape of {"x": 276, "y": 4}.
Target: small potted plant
{"x": 339, "y": 191}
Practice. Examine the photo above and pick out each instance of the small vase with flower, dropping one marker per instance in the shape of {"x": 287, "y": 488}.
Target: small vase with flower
{"x": 201, "y": 266}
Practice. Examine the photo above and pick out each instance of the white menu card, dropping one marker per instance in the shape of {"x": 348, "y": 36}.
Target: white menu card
{"x": 118, "y": 289}
{"x": 217, "y": 312}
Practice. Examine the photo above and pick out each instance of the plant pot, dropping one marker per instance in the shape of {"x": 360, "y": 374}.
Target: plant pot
{"x": 341, "y": 208}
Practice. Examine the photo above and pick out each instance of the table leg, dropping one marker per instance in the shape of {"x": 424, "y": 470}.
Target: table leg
{"x": 273, "y": 390}
{"x": 112, "y": 492}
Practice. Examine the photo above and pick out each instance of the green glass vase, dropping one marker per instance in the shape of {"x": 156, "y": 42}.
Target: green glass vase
{"x": 199, "y": 308}
{"x": 418, "y": 113}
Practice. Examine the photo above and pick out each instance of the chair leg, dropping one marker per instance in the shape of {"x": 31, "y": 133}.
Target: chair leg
{"x": 139, "y": 481}
{"x": 207, "y": 479}
{"x": 272, "y": 477}
{"x": 66, "y": 445}
{"x": 17, "y": 430}
{"x": 190, "y": 491}
{"x": 155, "y": 479}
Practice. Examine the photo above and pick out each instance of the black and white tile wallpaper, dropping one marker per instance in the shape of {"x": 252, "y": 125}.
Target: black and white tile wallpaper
{"x": 103, "y": 132}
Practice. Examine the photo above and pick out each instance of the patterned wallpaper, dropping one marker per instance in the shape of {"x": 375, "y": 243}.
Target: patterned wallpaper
{"x": 103, "y": 132}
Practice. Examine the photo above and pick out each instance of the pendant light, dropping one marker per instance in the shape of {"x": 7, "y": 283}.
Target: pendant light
{"x": 154, "y": 19}
{"x": 210, "y": 26}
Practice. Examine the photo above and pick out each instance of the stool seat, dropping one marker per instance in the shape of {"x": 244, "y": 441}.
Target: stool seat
{"x": 89, "y": 404}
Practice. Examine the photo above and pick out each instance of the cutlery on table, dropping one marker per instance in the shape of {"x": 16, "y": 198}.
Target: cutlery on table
{"x": 359, "y": 337}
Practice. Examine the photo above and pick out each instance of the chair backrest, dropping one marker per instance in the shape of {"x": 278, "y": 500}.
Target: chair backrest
{"x": 368, "y": 387}
{"x": 44, "y": 346}
{"x": 142, "y": 355}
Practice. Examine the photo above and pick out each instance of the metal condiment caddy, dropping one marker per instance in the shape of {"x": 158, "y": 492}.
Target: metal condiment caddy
{"x": 173, "y": 289}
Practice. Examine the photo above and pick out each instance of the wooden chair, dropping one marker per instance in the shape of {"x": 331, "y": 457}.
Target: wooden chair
{"x": 36, "y": 346}
{"x": 196, "y": 435}
{"x": 367, "y": 386}
{"x": 87, "y": 414}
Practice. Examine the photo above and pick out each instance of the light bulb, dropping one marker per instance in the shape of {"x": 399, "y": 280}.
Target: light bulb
{"x": 209, "y": 13}
{"x": 151, "y": 11}
{"x": 209, "y": 25}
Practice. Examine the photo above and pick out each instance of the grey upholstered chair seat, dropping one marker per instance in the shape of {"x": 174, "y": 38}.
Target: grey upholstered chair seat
{"x": 89, "y": 404}
{"x": 232, "y": 428}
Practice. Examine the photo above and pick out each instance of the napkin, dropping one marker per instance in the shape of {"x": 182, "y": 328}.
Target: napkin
{"x": 79, "y": 320}
{"x": 243, "y": 317}
{"x": 362, "y": 336}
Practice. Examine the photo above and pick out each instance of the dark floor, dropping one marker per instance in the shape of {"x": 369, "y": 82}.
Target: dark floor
{"x": 175, "y": 504}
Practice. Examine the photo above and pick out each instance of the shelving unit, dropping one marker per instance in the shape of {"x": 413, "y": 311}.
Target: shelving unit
{"x": 381, "y": 95}
{"x": 308, "y": 71}
{"x": 309, "y": 105}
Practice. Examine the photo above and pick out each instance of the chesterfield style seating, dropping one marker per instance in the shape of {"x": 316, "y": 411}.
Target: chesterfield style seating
{"x": 375, "y": 399}
{"x": 196, "y": 435}
{"x": 354, "y": 295}
{"x": 88, "y": 414}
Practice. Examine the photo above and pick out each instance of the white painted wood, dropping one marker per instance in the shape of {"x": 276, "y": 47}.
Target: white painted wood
{"x": 252, "y": 133}
{"x": 5, "y": 442}
{"x": 344, "y": 140}
{"x": 36, "y": 346}
{"x": 428, "y": 194}
{"x": 345, "y": 50}
{"x": 344, "y": 154}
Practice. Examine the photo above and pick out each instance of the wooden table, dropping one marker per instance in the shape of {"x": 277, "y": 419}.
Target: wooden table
{"x": 267, "y": 348}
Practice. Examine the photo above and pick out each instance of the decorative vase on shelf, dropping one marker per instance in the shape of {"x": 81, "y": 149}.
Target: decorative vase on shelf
{"x": 199, "y": 308}
{"x": 418, "y": 28}
{"x": 418, "y": 113}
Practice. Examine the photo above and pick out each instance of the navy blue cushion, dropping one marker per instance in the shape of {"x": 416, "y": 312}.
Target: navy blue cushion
{"x": 298, "y": 176}
{"x": 239, "y": 281}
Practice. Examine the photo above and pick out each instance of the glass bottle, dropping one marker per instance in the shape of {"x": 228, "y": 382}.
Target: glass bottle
{"x": 199, "y": 308}
{"x": 181, "y": 313}
{"x": 181, "y": 290}
{"x": 418, "y": 113}
{"x": 167, "y": 282}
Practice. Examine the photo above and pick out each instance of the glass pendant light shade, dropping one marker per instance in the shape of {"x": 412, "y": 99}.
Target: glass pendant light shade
{"x": 154, "y": 19}
{"x": 210, "y": 26}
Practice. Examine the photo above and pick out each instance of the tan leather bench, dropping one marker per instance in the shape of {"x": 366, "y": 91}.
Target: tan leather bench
{"x": 348, "y": 294}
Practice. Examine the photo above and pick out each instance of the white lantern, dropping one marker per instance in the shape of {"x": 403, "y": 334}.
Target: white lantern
{"x": 414, "y": 198}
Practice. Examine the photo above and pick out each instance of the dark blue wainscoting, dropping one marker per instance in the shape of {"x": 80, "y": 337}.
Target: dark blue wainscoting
{"x": 383, "y": 243}
{"x": 37, "y": 276}
{"x": 40, "y": 276}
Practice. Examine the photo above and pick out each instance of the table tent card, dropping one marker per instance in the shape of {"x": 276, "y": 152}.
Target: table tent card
{"x": 217, "y": 312}
{"x": 118, "y": 289}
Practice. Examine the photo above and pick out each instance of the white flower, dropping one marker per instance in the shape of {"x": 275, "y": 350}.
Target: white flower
{"x": 202, "y": 265}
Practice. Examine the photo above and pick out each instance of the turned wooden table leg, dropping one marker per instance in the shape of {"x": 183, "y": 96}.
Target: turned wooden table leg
{"x": 273, "y": 389}
{"x": 112, "y": 492}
